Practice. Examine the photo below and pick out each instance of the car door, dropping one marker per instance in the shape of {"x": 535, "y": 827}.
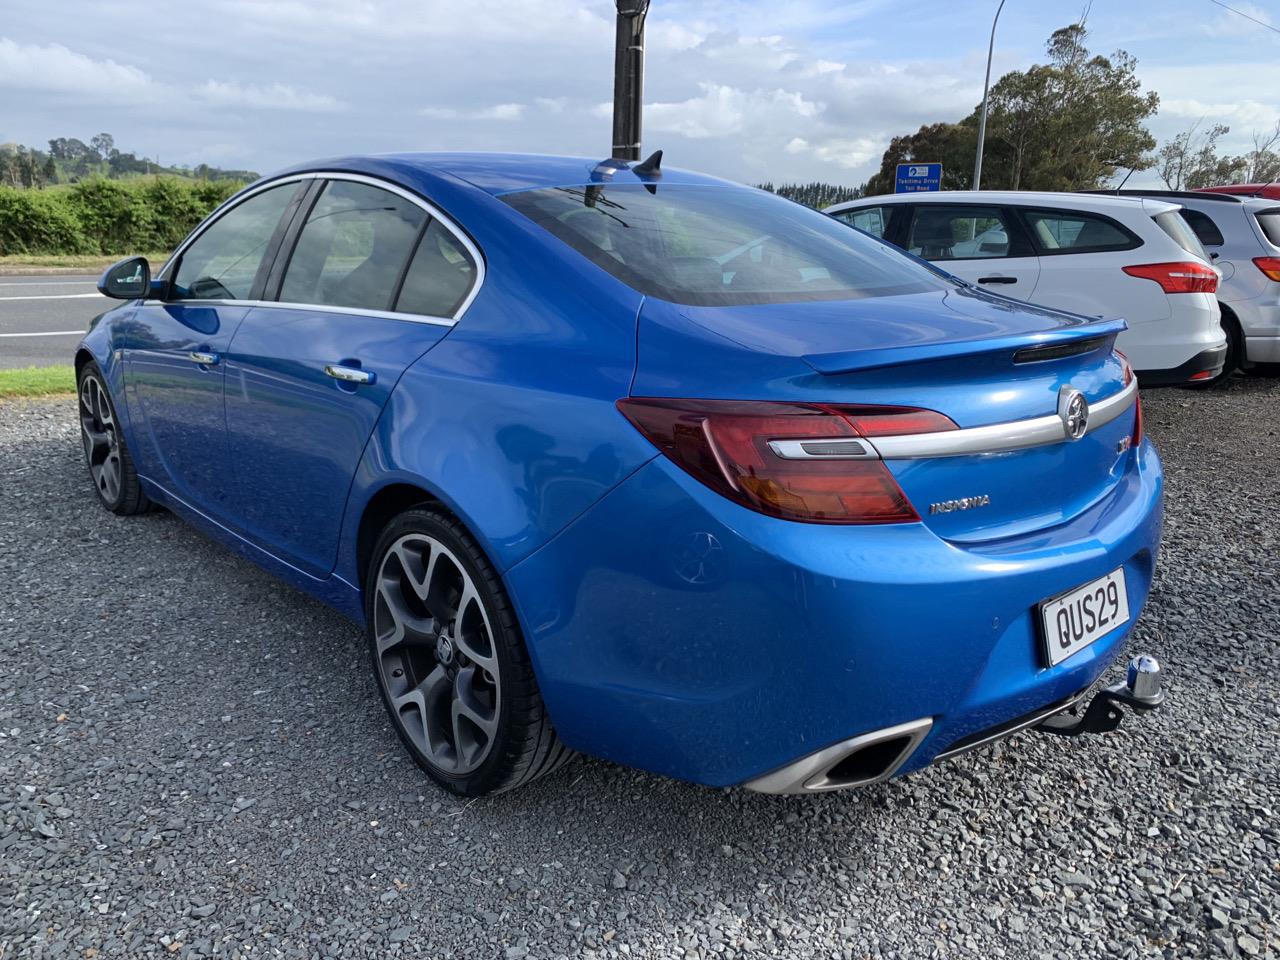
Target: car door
{"x": 174, "y": 347}
{"x": 984, "y": 244}
{"x": 1080, "y": 270}
{"x": 373, "y": 278}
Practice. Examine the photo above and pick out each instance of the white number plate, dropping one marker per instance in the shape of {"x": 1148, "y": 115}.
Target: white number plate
{"x": 1074, "y": 620}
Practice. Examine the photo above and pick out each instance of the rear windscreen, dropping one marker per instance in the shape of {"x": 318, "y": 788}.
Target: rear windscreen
{"x": 1269, "y": 220}
{"x": 1176, "y": 227}
{"x": 721, "y": 245}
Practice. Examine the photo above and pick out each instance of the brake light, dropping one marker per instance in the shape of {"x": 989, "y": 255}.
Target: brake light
{"x": 1137, "y": 421}
{"x": 1269, "y": 265}
{"x": 1126, "y": 369}
{"x": 1188, "y": 277}
{"x": 726, "y": 445}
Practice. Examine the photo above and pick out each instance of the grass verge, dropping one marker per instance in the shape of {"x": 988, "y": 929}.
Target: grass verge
{"x": 37, "y": 381}
{"x": 18, "y": 263}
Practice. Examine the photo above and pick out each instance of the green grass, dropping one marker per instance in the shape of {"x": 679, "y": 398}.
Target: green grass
{"x": 37, "y": 381}
{"x": 92, "y": 262}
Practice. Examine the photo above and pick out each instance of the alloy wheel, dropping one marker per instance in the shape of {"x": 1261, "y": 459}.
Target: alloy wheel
{"x": 101, "y": 442}
{"x": 436, "y": 655}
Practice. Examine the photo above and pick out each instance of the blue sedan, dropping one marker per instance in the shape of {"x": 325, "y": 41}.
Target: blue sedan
{"x": 640, "y": 463}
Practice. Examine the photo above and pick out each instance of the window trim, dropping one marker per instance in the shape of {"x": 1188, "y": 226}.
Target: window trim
{"x": 433, "y": 213}
{"x": 1021, "y": 246}
{"x": 1024, "y": 212}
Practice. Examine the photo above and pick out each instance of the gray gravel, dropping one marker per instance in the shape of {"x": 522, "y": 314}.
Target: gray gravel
{"x": 194, "y": 762}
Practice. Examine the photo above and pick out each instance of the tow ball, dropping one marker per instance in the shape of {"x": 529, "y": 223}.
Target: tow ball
{"x": 1141, "y": 690}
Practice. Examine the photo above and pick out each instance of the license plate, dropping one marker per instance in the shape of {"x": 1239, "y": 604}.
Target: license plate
{"x": 1073, "y": 620}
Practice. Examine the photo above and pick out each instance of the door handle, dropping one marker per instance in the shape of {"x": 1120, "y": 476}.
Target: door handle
{"x": 202, "y": 358}
{"x": 348, "y": 374}
{"x": 997, "y": 279}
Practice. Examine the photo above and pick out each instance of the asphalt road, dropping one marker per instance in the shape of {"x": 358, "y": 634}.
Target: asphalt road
{"x": 194, "y": 762}
{"x": 42, "y": 318}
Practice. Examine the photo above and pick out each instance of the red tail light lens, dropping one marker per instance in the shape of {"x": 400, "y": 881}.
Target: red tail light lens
{"x": 1189, "y": 277}
{"x": 725, "y": 444}
{"x": 1137, "y": 420}
{"x": 1269, "y": 265}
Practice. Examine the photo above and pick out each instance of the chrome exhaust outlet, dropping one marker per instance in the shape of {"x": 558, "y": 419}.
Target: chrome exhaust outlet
{"x": 857, "y": 762}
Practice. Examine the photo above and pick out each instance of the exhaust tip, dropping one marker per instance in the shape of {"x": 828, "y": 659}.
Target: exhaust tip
{"x": 857, "y": 762}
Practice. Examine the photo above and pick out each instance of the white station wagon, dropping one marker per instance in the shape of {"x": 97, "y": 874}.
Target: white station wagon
{"x": 1103, "y": 256}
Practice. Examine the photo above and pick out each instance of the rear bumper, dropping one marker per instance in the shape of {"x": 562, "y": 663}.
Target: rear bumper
{"x": 1203, "y": 366}
{"x": 1262, "y": 349}
{"x": 675, "y": 631}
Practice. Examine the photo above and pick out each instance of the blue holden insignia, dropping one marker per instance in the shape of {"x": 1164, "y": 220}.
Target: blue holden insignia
{"x": 640, "y": 463}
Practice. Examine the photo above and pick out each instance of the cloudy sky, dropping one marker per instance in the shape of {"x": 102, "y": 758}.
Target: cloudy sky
{"x": 776, "y": 89}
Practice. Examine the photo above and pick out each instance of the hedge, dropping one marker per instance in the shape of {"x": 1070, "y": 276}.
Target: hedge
{"x": 106, "y": 216}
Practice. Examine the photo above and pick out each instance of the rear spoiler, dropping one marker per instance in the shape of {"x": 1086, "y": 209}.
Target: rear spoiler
{"x": 849, "y": 361}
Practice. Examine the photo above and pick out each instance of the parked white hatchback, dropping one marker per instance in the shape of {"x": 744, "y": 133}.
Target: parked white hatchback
{"x": 1102, "y": 256}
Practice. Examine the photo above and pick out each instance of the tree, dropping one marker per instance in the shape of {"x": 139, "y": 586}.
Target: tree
{"x": 103, "y": 145}
{"x": 951, "y": 144}
{"x": 1068, "y": 124}
{"x": 1190, "y": 160}
{"x": 50, "y": 170}
{"x": 817, "y": 195}
{"x": 1262, "y": 163}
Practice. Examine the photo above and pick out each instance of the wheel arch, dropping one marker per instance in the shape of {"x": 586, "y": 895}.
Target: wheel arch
{"x": 384, "y": 506}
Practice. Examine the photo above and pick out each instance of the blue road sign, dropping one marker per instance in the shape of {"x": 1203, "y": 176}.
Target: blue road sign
{"x": 918, "y": 177}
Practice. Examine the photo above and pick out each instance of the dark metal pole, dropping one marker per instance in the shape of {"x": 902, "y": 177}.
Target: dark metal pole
{"x": 628, "y": 78}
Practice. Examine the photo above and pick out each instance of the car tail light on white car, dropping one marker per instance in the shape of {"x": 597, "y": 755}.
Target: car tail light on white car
{"x": 1185, "y": 277}
{"x": 785, "y": 459}
{"x": 1270, "y": 266}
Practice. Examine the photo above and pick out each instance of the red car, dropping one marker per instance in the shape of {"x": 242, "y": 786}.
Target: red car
{"x": 1269, "y": 190}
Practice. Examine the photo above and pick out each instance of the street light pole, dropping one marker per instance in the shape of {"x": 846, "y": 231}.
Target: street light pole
{"x": 628, "y": 78}
{"x": 986, "y": 86}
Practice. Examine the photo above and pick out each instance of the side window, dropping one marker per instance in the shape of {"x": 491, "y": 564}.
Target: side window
{"x": 1077, "y": 232}
{"x": 872, "y": 220}
{"x": 352, "y": 248}
{"x": 439, "y": 277}
{"x": 953, "y": 232}
{"x": 1203, "y": 227}
{"x": 222, "y": 262}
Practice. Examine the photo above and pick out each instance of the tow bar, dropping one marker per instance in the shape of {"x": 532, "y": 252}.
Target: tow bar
{"x": 1141, "y": 690}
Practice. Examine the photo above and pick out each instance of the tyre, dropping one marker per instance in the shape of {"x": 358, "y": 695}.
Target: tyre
{"x": 105, "y": 451}
{"x": 1235, "y": 353}
{"x": 450, "y": 662}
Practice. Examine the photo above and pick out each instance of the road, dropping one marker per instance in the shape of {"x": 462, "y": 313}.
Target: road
{"x": 42, "y": 318}
{"x": 194, "y": 762}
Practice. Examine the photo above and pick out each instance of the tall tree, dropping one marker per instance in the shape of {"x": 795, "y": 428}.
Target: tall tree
{"x": 103, "y": 145}
{"x": 1190, "y": 160}
{"x": 1068, "y": 124}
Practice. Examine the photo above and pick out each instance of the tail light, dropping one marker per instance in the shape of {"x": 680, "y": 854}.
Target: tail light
{"x": 730, "y": 446}
{"x": 1129, "y": 376}
{"x": 1188, "y": 277}
{"x": 1269, "y": 265}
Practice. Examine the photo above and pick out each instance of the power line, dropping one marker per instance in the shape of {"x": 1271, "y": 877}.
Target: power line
{"x": 1241, "y": 13}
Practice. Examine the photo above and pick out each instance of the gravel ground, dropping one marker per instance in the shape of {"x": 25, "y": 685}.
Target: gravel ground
{"x": 194, "y": 762}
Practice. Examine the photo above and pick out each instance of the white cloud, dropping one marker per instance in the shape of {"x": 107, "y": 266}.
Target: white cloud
{"x": 275, "y": 96}
{"x": 499, "y": 111}
{"x": 56, "y": 69}
{"x": 722, "y": 111}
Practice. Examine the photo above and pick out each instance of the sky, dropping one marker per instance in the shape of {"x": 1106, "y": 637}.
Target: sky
{"x": 781, "y": 90}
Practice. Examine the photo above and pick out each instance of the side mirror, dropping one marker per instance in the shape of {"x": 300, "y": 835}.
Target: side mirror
{"x": 126, "y": 280}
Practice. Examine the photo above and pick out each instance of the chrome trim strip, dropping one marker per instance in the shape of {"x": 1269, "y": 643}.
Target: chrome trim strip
{"x": 1000, "y": 437}
{"x": 849, "y": 449}
{"x": 432, "y": 210}
{"x": 809, "y": 774}
{"x": 1035, "y": 718}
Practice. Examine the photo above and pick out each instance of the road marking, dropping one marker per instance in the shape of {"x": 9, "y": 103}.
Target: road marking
{"x": 56, "y": 296}
{"x": 50, "y": 333}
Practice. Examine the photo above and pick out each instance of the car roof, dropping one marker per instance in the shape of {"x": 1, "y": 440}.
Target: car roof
{"x": 1171, "y": 195}
{"x": 499, "y": 173}
{"x": 1270, "y": 191}
{"x": 1031, "y": 198}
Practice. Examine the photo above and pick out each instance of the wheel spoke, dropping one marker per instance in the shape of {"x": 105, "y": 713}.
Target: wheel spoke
{"x": 472, "y": 634}
{"x": 474, "y": 724}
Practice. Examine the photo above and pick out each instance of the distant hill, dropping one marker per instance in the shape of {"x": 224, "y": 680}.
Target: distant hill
{"x": 68, "y": 160}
